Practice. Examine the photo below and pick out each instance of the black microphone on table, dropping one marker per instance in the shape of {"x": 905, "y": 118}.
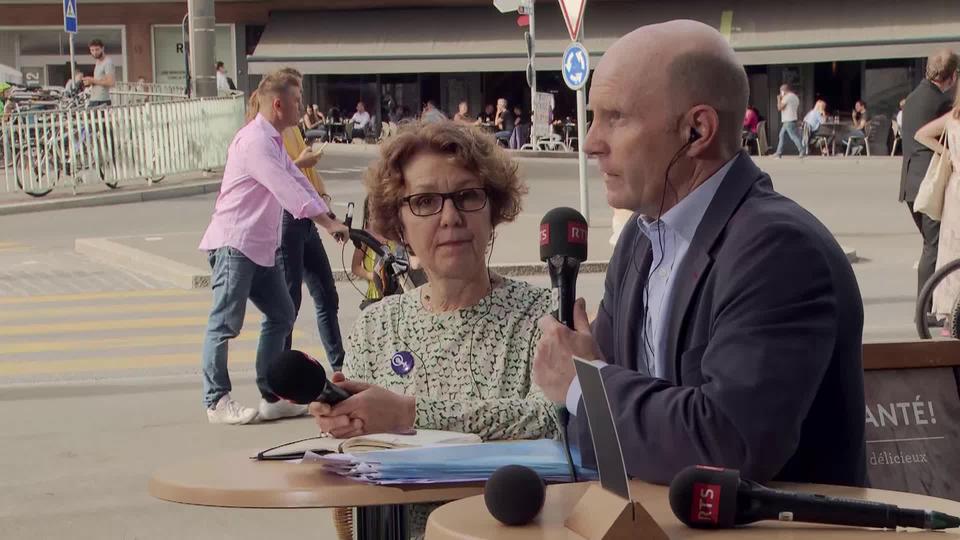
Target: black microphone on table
{"x": 563, "y": 246}
{"x": 514, "y": 494}
{"x": 714, "y": 498}
{"x": 298, "y": 377}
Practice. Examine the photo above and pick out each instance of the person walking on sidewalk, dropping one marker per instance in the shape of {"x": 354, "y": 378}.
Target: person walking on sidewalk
{"x": 242, "y": 240}
{"x": 302, "y": 253}
{"x": 789, "y": 104}
{"x": 930, "y": 100}
{"x": 104, "y": 77}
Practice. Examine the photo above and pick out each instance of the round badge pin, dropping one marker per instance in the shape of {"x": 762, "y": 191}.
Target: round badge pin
{"x": 402, "y": 362}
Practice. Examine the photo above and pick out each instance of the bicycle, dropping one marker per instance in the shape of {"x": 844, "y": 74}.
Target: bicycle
{"x": 923, "y": 315}
{"x": 57, "y": 152}
{"x": 395, "y": 263}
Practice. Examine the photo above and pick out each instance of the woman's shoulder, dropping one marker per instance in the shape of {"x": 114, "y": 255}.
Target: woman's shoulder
{"x": 520, "y": 298}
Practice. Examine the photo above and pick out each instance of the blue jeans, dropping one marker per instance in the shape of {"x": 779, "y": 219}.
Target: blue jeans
{"x": 236, "y": 279}
{"x": 304, "y": 259}
{"x": 790, "y": 129}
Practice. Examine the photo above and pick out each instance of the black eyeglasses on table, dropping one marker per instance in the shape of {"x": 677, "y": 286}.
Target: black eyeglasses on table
{"x": 428, "y": 204}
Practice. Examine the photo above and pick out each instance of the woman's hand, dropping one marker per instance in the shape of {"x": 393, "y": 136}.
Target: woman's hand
{"x": 307, "y": 159}
{"x": 371, "y": 409}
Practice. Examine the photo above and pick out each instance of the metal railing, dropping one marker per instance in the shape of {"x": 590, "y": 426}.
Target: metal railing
{"x": 147, "y": 141}
{"x": 127, "y": 93}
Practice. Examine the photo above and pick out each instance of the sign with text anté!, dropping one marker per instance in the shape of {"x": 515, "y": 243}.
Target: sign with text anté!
{"x": 70, "y": 16}
{"x": 573, "y": 16}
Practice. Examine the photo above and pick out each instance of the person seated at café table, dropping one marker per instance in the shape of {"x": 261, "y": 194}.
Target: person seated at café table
{"x": 456, "y": 353}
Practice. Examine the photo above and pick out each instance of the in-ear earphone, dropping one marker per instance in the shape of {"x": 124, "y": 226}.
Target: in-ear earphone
{"x": 694, "y": 135}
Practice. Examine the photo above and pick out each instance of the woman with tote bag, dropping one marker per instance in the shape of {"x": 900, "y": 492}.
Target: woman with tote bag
{"x": 943, "y": 177}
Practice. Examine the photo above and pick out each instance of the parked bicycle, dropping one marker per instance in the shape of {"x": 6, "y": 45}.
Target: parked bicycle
{"x": 51, "y": 147}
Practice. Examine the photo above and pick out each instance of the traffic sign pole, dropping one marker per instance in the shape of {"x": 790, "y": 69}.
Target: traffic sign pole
{"x": 73, "y": 61}
{"x": 70, "y": 27}
{"x": 533, "y": 79}
{"x": 581, "y": 140}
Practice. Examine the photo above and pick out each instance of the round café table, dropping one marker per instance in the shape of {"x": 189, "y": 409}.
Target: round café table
{"x": 235, "y": 480}
{"x": 469, "y": 519}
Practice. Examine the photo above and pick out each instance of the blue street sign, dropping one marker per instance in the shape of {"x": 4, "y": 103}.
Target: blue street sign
{"x": 70, "y": 16}
{"x": 576, "y": 66}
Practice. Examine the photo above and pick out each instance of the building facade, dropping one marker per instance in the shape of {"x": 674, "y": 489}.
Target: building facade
{"x": 404, "y": 52}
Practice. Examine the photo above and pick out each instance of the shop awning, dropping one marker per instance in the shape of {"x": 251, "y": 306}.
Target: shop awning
{"x": 439, "y": 40}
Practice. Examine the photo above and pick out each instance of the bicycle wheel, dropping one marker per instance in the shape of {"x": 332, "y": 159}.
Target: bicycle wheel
{"x": 102, "y": 175}
{"x": 36, "y": 168}
{"x": 926, "y": 295}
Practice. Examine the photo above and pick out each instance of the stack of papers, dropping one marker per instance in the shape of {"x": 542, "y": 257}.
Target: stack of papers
{"x": 453, "y": 463}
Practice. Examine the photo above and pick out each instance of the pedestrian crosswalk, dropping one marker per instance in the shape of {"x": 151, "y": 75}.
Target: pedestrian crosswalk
{"x": 12, "y": 247}
{"x": 116, "y": 334}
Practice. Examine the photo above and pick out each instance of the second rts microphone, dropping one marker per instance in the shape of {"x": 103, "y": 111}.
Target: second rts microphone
{"x": 714, "y": 498}
{"x": 299, "y": 378}
{"x": 563, "y": 246}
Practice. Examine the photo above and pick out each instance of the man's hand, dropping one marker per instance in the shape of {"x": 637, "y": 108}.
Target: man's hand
{"x": 337, "y": 230}
{"x": 371, "y": 409}
{"x": 307, "y": 159}
{"x": 89, "y": 81}
{"x": 553, "y": 369}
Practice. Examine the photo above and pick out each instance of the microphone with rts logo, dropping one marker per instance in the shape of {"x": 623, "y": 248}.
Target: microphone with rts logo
{"x": 714, "y": 498}
{"x": 563, "y": 246}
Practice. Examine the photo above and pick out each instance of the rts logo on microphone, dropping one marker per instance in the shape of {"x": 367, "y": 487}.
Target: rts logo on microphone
{"x": 576, "y": 233}
{"x": 544, "y": 234}
{"x": 706, "y": 503}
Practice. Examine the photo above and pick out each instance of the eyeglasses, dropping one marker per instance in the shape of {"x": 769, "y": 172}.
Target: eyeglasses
{"x": 428, "y": 204}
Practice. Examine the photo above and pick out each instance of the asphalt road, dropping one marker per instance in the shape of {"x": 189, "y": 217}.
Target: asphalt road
{"x": 98, "y": 366}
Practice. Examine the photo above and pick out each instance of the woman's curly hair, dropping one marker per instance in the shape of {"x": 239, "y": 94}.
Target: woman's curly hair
{"x": 471, "y": 148}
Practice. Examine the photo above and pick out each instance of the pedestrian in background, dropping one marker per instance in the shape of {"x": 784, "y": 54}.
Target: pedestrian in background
{"x": 104, "y": 77}
{"x": 948, "y": 247}
{"x": 302, "y": 253}
{"x": 931, "y": 99}
{"x": 242, "y": 240}
{"x": 789, "y": 106}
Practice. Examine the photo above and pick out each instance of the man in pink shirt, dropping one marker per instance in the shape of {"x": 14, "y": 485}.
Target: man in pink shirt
{"x": 259, "y": 183}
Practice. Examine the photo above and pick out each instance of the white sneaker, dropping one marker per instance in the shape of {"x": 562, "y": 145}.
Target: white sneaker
{"x": 280, "y": 409}
{"x": 229, "y": 411}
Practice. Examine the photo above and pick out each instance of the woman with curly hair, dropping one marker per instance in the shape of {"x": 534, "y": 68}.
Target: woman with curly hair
{"x": 456, "y": 353}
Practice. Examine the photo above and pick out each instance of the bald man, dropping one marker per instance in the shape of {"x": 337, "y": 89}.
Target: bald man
{"x": 730, "y": 329}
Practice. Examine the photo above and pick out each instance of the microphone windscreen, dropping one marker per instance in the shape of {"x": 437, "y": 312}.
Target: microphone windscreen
{"x": 296, "y": 377}
{"x": 514, "y": 494}
{"x": 705, "y": 497}
{"x": 563, "y": 231}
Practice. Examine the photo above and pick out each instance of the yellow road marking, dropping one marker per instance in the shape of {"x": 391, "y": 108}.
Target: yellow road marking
{"x": 4, "y": 245}
{"x": 112, "y": 309}
{"x": 80, "y": 365}
{"x": 109, "y": 325}
{"x": 114, "y": 363}
{"x": 151, "y": 293}
{"x": 102, "y": 344}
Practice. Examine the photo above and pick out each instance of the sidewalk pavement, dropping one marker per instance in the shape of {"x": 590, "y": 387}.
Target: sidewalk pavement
{"x": 172, "y": 186}
{"x": 98, "y": 194}
{"x": 174, "y": 258}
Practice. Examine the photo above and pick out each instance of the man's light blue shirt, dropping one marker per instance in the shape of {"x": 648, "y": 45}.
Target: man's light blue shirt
{"x": 670, "y": 238}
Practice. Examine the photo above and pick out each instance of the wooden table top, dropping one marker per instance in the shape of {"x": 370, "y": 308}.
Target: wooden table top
{"x": 469, "y": 519}
{"x": 234, "y": 480}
